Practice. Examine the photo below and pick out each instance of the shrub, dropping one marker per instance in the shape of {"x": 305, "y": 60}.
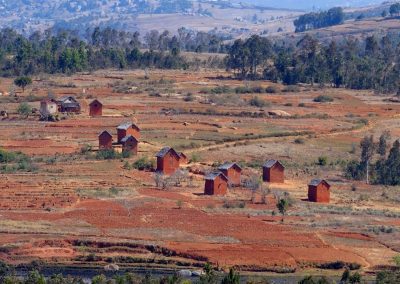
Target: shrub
{"x": 143, "y": 164}
{"x": 323, "y": 99}
{"x": 220, "y": 90}
{"x": 322, "y": 161}
{"x": 291, "y": 89}
{"x": 257, "y": 102}
{"x": 195, "y": 158}
{"x": 24, "y": 109}
{"x": 242, "y": 90}
{"x": 299, "y": 141}
{"x": 302, "y": 104}
{"x": 108, "y": 154}
{"x": 271, "y": 90}
{"x": 86, "y": 150}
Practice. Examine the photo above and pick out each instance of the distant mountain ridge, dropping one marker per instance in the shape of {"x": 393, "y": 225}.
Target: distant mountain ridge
{"x": 311, "y": 4}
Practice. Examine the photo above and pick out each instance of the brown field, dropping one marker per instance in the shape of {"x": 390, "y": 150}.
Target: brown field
{"x": 73, "y": 207}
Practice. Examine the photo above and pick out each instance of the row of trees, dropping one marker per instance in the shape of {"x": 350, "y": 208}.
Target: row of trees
{"x": 310, "y": 21}
{"x": 66, "y": 52}
{"x": 373, "y": 63}
{"x": 384, "y": 169}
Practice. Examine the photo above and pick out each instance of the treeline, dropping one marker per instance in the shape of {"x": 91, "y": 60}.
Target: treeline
{"x": 373, "y": 63}
{"x": 383, "y": 170}
{"x": 310, "y": 21}
{"x": 66, "y": 52}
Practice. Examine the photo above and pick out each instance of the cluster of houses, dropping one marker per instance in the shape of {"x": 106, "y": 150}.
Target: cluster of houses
{"x": 229, "y": 174}
{"x": 169, "y": 160}
{"x": 68, "y": 104}
{"x": 128, "y": 135}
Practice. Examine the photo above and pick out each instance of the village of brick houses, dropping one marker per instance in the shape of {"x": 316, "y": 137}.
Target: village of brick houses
{"x": 169, "y": 161}
{"x": 100, "y": 179}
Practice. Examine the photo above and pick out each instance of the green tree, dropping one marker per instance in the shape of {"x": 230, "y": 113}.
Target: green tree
{"x": 367, "y": 152}
{"x": 283, "y": 205}
{"x": 34, "y": 277}
{"x": 394, "y": 9}
{"x": 209, "y": 276}
{"x": 382, "y": 145}
{"x": 23, "y": 82}
{"x": 396, "y": 260}
{"x": 99, "y": 279}
{"x": 232, "y": 278}
{"x": 24, "y": 109}
{"x": 355, "y": 278}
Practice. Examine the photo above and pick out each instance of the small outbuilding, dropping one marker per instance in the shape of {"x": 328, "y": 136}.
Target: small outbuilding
{"x": 216, "y": 183}
{"x": 105, "y": 140}
{"x": 233, "y": 172}
{"x": 68, "y": 104}
{"x": 273, "y": 172}
{"x": 95, "y": 108}
{"x": 319, "y": 191}
{"x": 48, "y": 107}
{"x": 130, "y": 144}
{"x": 126, "y": 129}
{"x": 183, "y": 159}
{"x": 167, "y": 161}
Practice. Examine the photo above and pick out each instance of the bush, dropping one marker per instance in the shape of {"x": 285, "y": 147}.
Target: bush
{"x": 271, "y": 90}
{"x": 355, "y": 170}
{"x": 108, "y": 154}
{"x": 322, "y": 161}
{"x": 217, "y": 90}
{"x": 86, "y": 149}
{"x": 195, "y": 158}
{"x": 24, "y": 109}
{"x": 302, "y": 104}
{"x": 257, "y": 102}
{"x": 291, "y": 89}
{"x": 249, "y": 90}
{"x": 299, "y": 141}
{"x": 143, "y": 164}
{"x": 323, "y": 99}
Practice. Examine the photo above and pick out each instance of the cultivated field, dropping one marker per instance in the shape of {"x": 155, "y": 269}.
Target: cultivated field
{"x": 77, "y": 210}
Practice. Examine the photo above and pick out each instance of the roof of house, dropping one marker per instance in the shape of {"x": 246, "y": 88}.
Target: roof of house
{"x": 95, "y": 101}
{"x": 129, "y": 137}
{"x": 166, "y": 150}
{"x": 67, "y": 99}
{"x": 214, "y": 175}
{"x": 316, "y": 182}
{"x": 127, "y": 125}
{"x": 182, "y": 155}
{"x": 271, "y": 163}
{"x": 227, "y": 166}
{"x": 105, "y": 132}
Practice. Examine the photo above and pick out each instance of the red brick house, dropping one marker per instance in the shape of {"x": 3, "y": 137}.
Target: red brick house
{"x": 183, "y": 159}
{"x": 167, "y": 161}
{"x": 95, "y": 108}
{"x": 130, "y": 144}
{"x": 216, "y": 183}
{"x": 273, "y": 172}
{"x": 105, "y": 140}
{"x": 319, "y": 191}
{"x": 126, "y": 129}
{"x": 233, "y": 172}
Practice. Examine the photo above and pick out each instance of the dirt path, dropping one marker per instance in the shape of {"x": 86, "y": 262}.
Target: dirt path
{"x": 371, "y": 125}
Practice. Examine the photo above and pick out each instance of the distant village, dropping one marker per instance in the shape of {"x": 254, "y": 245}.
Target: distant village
{"x": 169, "y": 160}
